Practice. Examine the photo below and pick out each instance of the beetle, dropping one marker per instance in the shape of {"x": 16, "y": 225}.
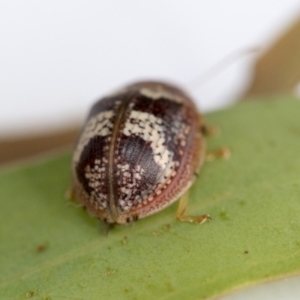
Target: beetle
{"x": 140, "y": 150}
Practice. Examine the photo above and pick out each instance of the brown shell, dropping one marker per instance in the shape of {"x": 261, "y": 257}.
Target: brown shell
{"x": 138, "y": 152}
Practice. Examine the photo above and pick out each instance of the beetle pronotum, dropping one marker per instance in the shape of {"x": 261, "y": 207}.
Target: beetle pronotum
{"x": 140, "y": 150}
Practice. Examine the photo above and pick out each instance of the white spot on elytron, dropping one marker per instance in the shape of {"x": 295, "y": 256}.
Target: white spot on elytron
{"x": 150, "y": 129}
{"x": 94, "y": 175}
{"x": 160, "y": 92}
{"x": 123, "y": 167}
{"x": 187, "y": 130}
{"x": 99, "y": 125}
{"x": 137, "y": 176}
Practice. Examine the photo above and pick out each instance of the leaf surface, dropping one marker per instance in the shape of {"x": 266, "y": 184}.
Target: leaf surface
{"x": 50, "y": 249}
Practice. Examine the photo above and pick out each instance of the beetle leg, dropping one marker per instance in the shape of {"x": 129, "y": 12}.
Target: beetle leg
{"x": 209, "y": 130}
{"x": 107, "y": 228}
{"x": 222, "y": 152}
{"x": 182, "y": 207}
{"x": 70, "y": 195}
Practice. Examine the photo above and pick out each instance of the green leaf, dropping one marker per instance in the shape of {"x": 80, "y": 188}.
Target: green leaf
{"x": 50, "y": 249}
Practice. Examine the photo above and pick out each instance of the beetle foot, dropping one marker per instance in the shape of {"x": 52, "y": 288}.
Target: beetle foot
{"x": 209, "y": 130}
{"x": 194, "y": 219}
{"x": 222, "y": 152}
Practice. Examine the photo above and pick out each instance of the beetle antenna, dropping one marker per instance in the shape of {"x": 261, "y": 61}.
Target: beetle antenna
{"x": 220, "y": 66}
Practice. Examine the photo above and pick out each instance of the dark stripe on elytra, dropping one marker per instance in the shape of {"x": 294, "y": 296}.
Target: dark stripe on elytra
{"x": 138, "y": 149}
{"x": 135, "y": 148}
{"x": 159, "y": 107}
{"x": 92, "y": 151}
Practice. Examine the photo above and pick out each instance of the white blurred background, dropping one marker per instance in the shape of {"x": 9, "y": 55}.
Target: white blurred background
{"x": 58, "y": 57}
